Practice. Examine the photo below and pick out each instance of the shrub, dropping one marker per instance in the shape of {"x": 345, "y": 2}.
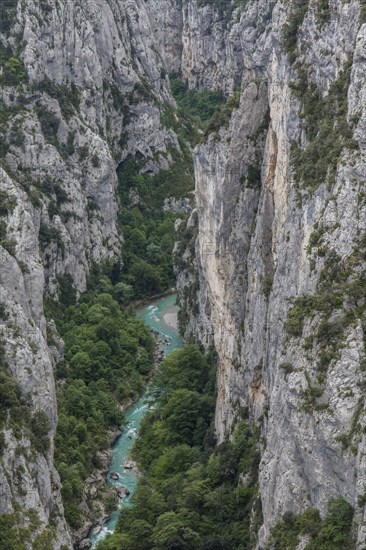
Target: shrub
{"x": 41, "y": 427}
{"x": 7, "y": 203}
{"x": 67, "y": 96}
{"x": 7, "y": 15}
{"x": 14, "y": 72}
{"x": 334, "y": 532}
{"x": 49, "y": 124}
{"x": 292, "y": 26}
{"x": 326, "y": 128}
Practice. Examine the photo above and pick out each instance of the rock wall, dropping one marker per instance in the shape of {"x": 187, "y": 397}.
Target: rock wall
{"x": 266, "y": 238}
{"x": 96, "y": 88}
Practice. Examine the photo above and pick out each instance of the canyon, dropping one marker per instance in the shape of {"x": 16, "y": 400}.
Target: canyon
{"x": 270, "y": 263}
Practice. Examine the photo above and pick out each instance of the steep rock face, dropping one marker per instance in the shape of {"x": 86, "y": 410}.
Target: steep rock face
{"x": 261, "y": 246}
{"x": 95, "y": 93}
{"x": 221, "y": 49}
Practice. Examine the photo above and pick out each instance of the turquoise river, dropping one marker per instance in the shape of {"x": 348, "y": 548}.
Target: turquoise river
{"x": 159, "y": 316}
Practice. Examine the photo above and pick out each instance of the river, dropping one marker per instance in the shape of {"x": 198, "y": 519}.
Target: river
{"x": 160, "y": 316}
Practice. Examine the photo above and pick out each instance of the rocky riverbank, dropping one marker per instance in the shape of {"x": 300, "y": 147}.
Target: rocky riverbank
{"x": 97, "y": 496}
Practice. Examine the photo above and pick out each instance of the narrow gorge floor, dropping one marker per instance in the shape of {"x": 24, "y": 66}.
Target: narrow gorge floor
{"x": 161, "y": 317}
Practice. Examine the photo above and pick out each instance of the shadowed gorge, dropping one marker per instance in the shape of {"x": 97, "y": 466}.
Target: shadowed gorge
{"x": 214, "y": 150}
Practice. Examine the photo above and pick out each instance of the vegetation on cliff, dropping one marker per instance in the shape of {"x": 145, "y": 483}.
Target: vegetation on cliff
{"x": 334, "y": 532}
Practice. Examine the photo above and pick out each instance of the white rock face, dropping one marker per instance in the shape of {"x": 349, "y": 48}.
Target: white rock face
{"x": 62, "y": 177}
{"x": 253, "y": 252}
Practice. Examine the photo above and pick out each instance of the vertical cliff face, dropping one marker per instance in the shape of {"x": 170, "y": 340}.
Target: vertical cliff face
{"x": 280, "y": 247}
{"x": 84, "y": 86}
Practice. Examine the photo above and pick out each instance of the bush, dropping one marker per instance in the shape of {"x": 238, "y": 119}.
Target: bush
{"x": 334, "y": 532}
{"x": 49, "y": 124}
{"x": 67, "y": 97}
{"x": 41, "y": 426}
{"x": 7, "y": 203}
{"x": 326, "y": 127}
{"x": 14, "y": 72}
{"x": 292, "y": 26}
{"x": 7, "y": 15}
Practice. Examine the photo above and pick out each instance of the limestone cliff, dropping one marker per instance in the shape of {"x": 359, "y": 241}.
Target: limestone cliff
{"x": 280, "y": 247}
{"x": 83, "y": 87}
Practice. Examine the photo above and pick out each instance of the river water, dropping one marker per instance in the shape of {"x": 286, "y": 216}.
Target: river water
{"x": 168, "y": 339}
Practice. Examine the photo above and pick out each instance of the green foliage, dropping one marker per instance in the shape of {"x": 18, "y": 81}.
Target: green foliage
{"x": 334, "y": 532}
{"x": 41, "y": 427}
{"x": 108, "y": 356}
{"x": 322, "y": 12}
{"x": 199, "y": 105}
{"x": 292, "y": 26}
{"x": 44, "y": 541}
{"x": 16, "y": 537}
{"x": 222, "y": 117}
{"x": 190, "y": 495}
{"x": 12, "y": 407}
{"x": 49, "y": 124}
{"x": 202, "y": 113}
{"x": 148, "y": 231}
{"x": 7, "y": 203}
{"x": 2, "y": 444}
{"x": 337, "y": 305}
{"x": 362, "y": 17}
{"x": 9, "y": 391}
{"x": 176, "y": 181}
{"x": 15, "y": 412}
{"x": 324, "y": 116}
{"x": 11, "y": 538}
{"x": 49, "y": 234}
{"x": 7, "y": 15}
{"x": 67, "y": 96}
{"x": 183, "y": 370}
{"x": 12, "y": 135}
{"x": 294, "y": 324}
{"x": 14, "y": 72}
{"x": 287, "y": 367}
{"x": 326, "y": 128}
{"x": 68, "y": 149}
